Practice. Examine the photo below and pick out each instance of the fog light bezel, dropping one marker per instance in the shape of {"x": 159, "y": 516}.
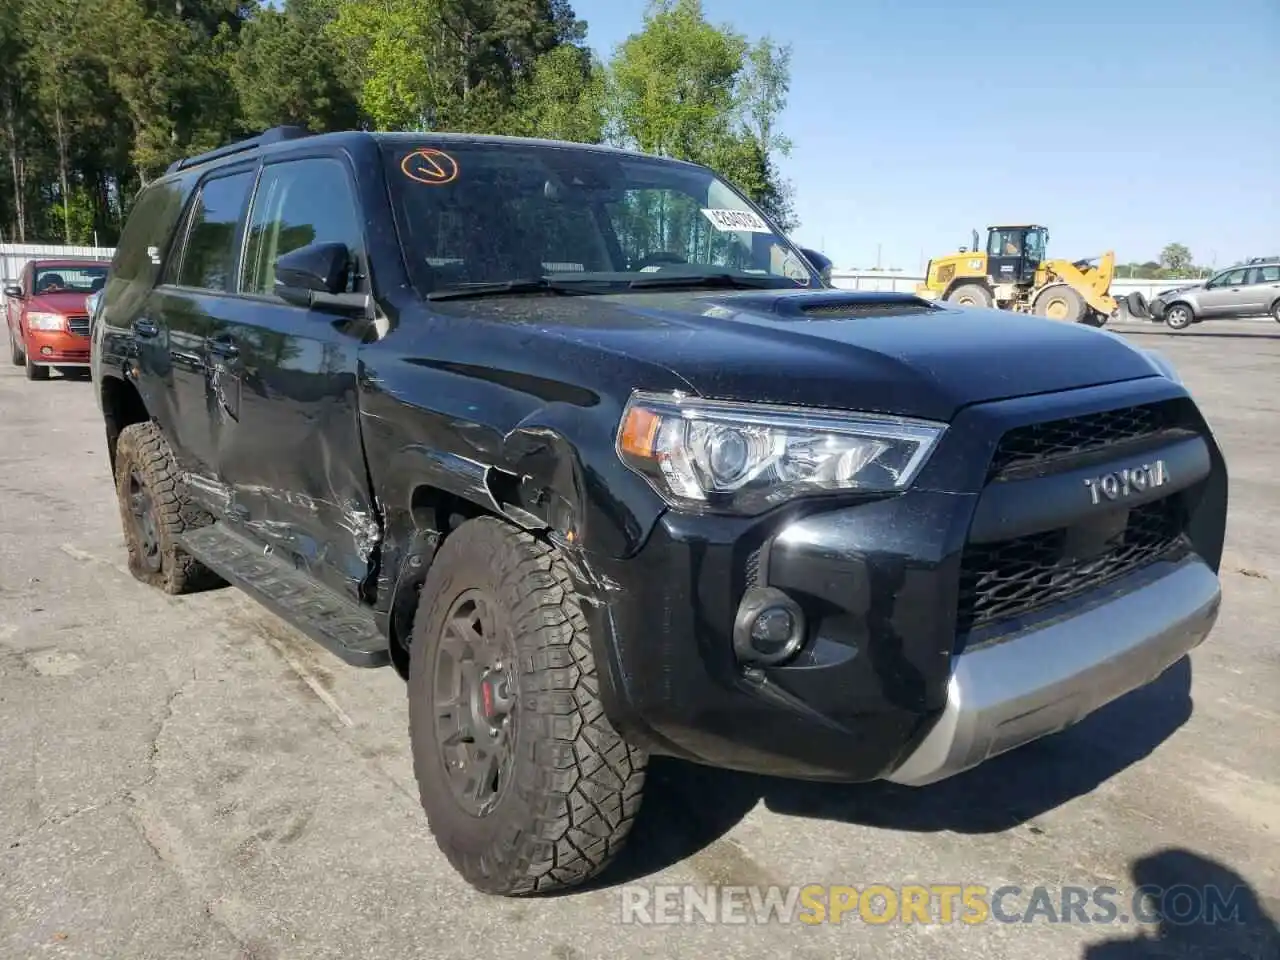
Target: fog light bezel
{"x": 755, "y": 602}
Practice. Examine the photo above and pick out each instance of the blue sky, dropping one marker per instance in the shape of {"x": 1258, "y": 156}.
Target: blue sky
{"x": 1120, "y": 125}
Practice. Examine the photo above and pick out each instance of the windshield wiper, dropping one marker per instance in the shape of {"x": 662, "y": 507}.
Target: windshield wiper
{"x": 728, "y": 281}
{"x": 517, "y": 286}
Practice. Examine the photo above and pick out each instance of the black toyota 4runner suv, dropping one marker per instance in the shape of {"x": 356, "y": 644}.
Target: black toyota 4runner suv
{"x": 595, "y": 457}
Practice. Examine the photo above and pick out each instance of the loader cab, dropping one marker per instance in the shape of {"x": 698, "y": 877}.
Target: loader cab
{"x": 1015, "y": 252}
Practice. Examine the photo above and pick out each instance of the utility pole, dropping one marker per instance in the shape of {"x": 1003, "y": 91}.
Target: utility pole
{"x": 877, "y": 256}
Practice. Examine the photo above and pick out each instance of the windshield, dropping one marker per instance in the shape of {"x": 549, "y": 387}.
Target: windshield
{"x": 490, "y": 213}
{"x": 69, "y": 279}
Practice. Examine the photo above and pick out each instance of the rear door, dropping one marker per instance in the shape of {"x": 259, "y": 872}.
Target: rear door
{"x": 1263, "y": 288}
{"x": 292, "y": 454}
{"x": 178, "y": 329}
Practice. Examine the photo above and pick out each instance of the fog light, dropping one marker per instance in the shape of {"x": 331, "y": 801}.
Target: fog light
{"x": 46, "y": 351}
{"x": 769, "y": 628}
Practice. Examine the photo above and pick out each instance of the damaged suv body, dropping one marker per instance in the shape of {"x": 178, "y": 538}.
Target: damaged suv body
{"x": 589, "y": 451}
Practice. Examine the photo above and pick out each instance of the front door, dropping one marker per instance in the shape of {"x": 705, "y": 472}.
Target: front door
{"x": 1224, "y": 295}
{"x": 292, "y": 454}
{"x": 1006, "y": 257}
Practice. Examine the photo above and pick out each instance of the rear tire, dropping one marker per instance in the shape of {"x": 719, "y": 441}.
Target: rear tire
{"x": 35, "y": 372}
{"x": 1178, "y": 316}
{"x": 1060, "y": 302}
{"x": 971, "y": 295}
{"x": 502, "y": 681}
{"x": 16, "y": 356}
{"x": 155, "y": 509}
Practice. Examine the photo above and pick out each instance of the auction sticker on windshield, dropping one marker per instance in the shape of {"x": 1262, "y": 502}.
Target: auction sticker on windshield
{"x": 735, "y": 220}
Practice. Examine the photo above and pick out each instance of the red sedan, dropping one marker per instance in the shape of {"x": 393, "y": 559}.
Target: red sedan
{"x": 46, "y": 317}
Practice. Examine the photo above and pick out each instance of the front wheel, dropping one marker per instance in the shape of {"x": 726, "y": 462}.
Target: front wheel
{"x": 1275, "y": 311}
{"x": 16, "y": 355}
{"x": 35, "y": 371}
{"x": 1060, "y": 302}
{"x": 1179, "y": 317}
{"x": 525, "y": 784}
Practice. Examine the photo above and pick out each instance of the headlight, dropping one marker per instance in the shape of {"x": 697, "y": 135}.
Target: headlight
{"x": 46, "y": 321}
{"x": 716, "y": 456}
{"x": 1164, "y": 365}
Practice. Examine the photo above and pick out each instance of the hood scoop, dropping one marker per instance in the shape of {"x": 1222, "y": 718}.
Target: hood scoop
{"x": 835, "y": 304}
{"x": 897, "y": 305}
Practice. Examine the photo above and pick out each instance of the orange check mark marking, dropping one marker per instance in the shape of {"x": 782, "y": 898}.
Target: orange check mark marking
{"x": 430, "y": 166}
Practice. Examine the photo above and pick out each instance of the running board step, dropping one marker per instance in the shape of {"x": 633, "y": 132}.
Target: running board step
{"x": 337, "y": 624}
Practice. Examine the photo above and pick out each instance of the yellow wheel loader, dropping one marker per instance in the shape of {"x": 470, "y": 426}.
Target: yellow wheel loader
{"x": 1013, "y": 273}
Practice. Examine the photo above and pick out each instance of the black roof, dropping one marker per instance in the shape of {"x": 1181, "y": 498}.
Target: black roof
{"x": 278, "y": 135}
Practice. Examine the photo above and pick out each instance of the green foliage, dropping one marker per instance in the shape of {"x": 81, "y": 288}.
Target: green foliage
{"x": 284, "y": 71}
{"x": 97, "y": 97}
{"x": 1176, "y": 258}
{"x": 684, "y": 88}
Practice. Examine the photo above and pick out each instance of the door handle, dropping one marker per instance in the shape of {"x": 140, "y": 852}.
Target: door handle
{"x": 143, "y": 327}
{"x": 222, "y": 348}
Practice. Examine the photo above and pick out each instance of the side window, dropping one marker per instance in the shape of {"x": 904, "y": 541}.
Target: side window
{"x": 155, "y": 212}
{"x": 298, "y": 202}
{"x": 1267, "y": 274}
{"x": 1232, "y": 279}
{"x": 209, "y": 258}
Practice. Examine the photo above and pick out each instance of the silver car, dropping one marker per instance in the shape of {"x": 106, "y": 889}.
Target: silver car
{"x": 1252, "y": 289}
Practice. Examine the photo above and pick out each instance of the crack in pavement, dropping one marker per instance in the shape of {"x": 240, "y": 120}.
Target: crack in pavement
{"x": 126, "y": 792}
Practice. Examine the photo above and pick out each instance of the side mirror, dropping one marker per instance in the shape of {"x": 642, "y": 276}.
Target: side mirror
{"x": 316, "y": 268}
{"x": 13, "y": 290}
{"x": 315, "y": 276}
{"x": 820, "y": 263}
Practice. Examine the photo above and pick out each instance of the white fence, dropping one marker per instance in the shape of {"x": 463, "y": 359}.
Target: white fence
{"x": 14, "y": 255}
{"x": 906, "y": 282}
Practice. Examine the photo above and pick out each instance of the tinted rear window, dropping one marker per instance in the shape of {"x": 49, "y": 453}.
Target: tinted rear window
{"x": 147, "y": 232}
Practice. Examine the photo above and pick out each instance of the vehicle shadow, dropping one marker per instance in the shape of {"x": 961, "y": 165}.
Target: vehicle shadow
{"x": 1201, "y": 909}
{"x": 688, "y": 807}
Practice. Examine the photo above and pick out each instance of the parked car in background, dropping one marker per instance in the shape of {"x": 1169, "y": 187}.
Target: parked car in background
{"x": 46, "y": 315}
{"x": 1243, "y": 291}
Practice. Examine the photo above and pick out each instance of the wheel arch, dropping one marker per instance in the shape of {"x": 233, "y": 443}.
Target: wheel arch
{"x": 957, "y": 282}
{"x": 122, "y": 406}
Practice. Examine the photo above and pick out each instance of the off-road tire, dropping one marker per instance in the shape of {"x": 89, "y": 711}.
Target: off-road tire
{"x": 142, "y": 447}
{"x": 1072, "y": 305}
{"x": 971, "y": 295}
{"x": 1178, "y": 316}
{"x": 16, "y": 355}
{"x": 575, "y": 785}
{"x": 34, "y": 371}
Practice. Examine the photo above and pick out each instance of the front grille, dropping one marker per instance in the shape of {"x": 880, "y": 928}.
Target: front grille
{"x": 850, "y": 311}
{"x": 78, "y": 325}
{"x": 1076, "y": 435}
{"x": 1012, "y": 577}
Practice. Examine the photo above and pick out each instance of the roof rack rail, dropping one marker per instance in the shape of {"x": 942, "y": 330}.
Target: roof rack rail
{"x": 274, "y": 135}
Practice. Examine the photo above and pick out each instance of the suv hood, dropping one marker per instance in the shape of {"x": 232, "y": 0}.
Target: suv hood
{"x": 878, "y": 352}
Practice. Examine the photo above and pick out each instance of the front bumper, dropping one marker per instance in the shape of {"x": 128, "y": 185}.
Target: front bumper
{"x": 1002, "y": 696}
{"x": 890, "y": 683}
{"x": 56, "y": 348}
